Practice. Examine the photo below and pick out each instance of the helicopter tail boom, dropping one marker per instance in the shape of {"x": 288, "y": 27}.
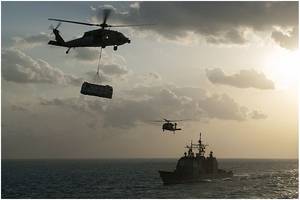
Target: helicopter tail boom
{"x": 55, "y": 43}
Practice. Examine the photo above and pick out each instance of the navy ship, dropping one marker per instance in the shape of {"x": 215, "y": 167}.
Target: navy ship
{"x": 194, "y": 167}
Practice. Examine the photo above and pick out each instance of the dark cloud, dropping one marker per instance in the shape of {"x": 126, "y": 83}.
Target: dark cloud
{"x": 21, "y": 68}
{"x": 228, "y": 37}
{"x": 288, "y": 40}
{"x": 218, "y": 22}
{"x": 31, "y": 41}
{"x": 258, "y": 115}
{"x": 243, "y": 79}
{"x": 16, "y": 107}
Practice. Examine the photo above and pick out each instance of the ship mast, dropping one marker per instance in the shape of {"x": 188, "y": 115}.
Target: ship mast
{"x": 200, "y": 147}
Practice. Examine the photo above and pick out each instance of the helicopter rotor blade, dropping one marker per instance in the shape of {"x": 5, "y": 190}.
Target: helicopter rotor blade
{"x": 51, "y": 27}
{"x": 74, "y": 22}
{"x": 166, "y": 120}
{"x": 106, "y": 14}
{"x": 157, "y": 121}
{"x": 177, "y": 120}
{"x": 58, "y": 25}
{"x": 128, "y": 25}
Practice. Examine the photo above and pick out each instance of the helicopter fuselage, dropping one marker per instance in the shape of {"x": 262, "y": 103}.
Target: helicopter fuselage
{"x": 170, "y": 127}
{"x": 95, "y": 38}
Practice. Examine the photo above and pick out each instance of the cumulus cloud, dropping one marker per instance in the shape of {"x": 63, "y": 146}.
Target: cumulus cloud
{"x": 223, "y": 107}
{"x": 20, "y": 68}
{"x": 31, "y": 41}
{"x": 114, "y": 69}
{"x": 92, "y": 75}
{"x": 154, "y": 75}
{"x": 86, "y": 54}
{"x": 258, "y": 115}
{"x": 108, "y": 72}
{"x": 243, "y": 79}
{"x": 287, "y": 40}
{"x": 218, "y": 22}
{"x": 157, "y": 102}
{"x": 76, "y": 104}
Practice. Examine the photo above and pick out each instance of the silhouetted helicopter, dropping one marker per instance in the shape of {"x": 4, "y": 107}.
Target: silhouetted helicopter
{"x": 168, "y": 125}
{"x": 96, "y": 38}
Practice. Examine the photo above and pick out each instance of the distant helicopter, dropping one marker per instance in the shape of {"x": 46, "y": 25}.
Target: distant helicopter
{"x": 96, "y": 38}
{"x": 168, "y": 125}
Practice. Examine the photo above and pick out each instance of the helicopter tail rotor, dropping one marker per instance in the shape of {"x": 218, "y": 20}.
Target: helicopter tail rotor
{"x": 54, "y": 29}
{"x": 58, "y": 39}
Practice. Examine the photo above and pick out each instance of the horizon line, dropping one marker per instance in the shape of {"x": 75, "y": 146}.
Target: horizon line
{"x": 140, "y": 158}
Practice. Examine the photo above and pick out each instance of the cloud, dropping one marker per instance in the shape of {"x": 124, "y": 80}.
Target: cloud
{"x": 76, "y": 104}
{"x": 146, "y": 103}
{"x": 108, "y": 72}
{"x": 92, "y": 75}
{"x": 258, "y": 115}
{"x": 20, "y": 68}
{"x": 154, "y": 75}
{"x": 108, "y": 66}
{"x": 243, "y": 79}
{"x": 287, "y": 40}
{"x": 217, "y": 22}
{"x": 114, "y": 69}
{"x": 228, "y": 37}
{"x": 16, "y": 107}
{"x": 223, "y": 107}
{"x": 31, "y": 41}
{"x": 86, "y": 54}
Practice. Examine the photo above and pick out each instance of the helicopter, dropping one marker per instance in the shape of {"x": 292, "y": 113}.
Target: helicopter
{"x": 101, "y": 37}
{"x": 169, "y": 125}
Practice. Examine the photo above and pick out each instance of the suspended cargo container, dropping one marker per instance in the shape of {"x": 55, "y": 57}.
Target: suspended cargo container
{"x": 104, "y": 91}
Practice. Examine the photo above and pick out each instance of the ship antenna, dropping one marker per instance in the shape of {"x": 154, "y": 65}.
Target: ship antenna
{"x": 200, "y": 139}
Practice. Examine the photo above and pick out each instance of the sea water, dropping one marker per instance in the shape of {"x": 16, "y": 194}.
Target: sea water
{"x": 139, "y": 178}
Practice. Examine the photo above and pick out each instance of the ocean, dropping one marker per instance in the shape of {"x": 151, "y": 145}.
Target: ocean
{"x": 139, "y": 178}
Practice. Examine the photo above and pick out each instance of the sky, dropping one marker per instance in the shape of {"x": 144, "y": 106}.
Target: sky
{"x": 229, "y": 69}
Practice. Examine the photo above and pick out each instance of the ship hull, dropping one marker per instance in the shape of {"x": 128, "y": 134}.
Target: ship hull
{"x": 175, "y": 178}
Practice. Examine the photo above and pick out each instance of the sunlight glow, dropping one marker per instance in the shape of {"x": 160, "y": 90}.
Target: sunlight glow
{"x": 284, "y": 68}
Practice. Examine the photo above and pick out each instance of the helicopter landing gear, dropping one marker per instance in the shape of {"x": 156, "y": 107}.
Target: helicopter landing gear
{"x": 115, "y": 48}
{"x": 68, "y": 50}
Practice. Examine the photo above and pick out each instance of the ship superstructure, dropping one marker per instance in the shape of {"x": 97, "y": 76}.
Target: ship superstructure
{"x": 193, "y": 167}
